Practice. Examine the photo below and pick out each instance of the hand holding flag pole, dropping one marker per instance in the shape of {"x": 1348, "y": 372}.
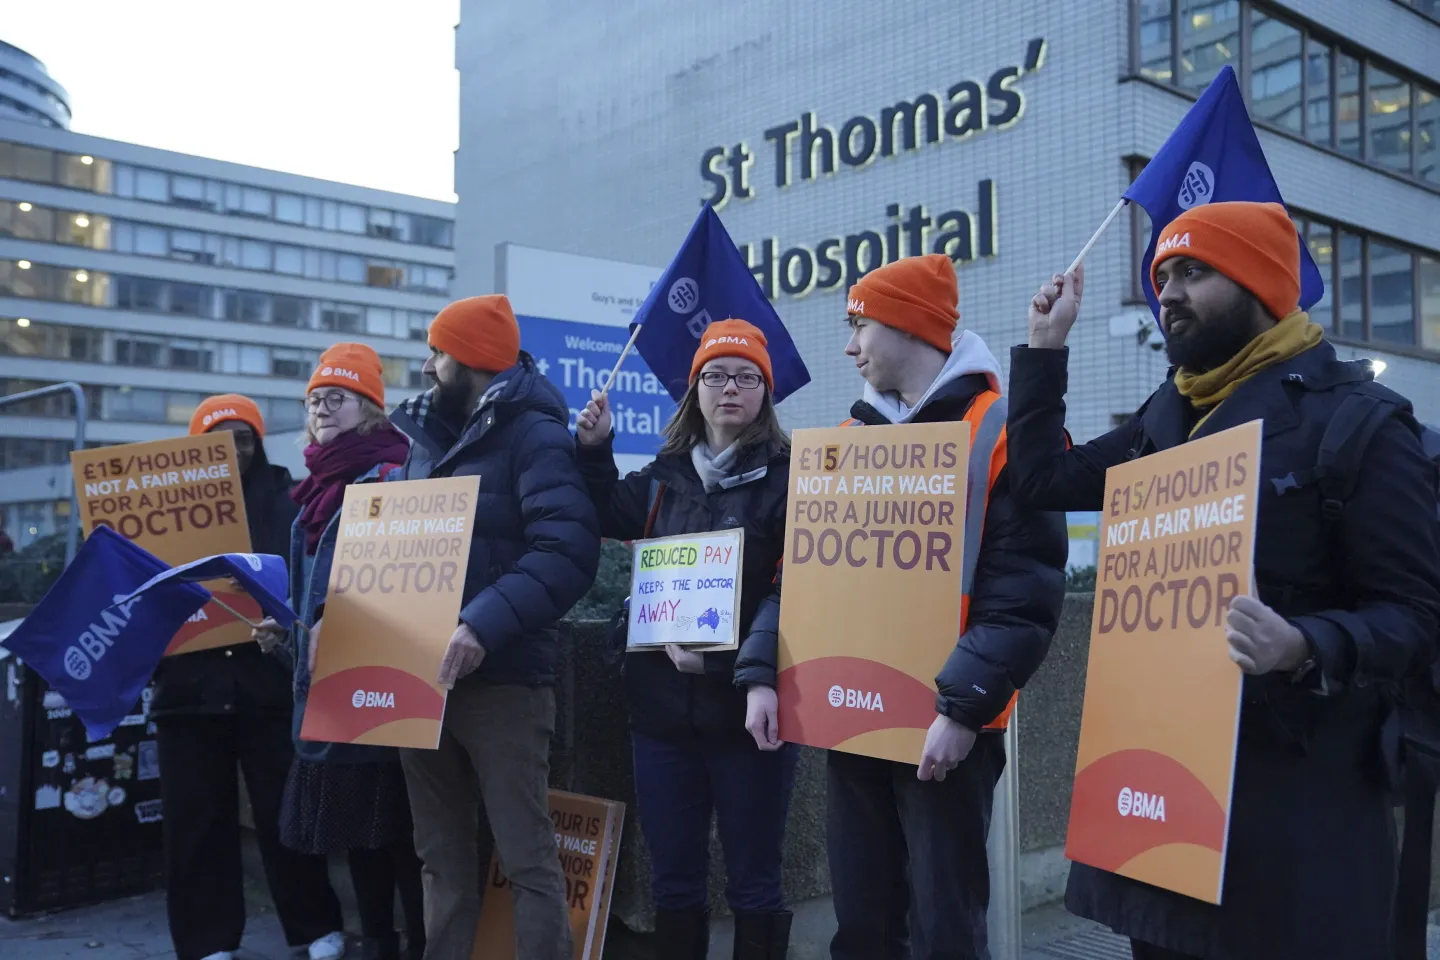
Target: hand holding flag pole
{"x": 615, "y": 372}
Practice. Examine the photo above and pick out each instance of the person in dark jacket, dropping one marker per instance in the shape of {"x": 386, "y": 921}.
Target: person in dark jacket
{"x": 226, "y": 707}
{"x": 906, "y": 843}
{"x": 725, "y": 464}
{"x": 534, "y": 553}
{"x": 1342, "y": 605}
{"x": 345, "y": 798}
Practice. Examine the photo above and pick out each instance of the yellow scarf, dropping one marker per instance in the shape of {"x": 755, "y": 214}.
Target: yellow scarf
{"x": 1288, "y": 338}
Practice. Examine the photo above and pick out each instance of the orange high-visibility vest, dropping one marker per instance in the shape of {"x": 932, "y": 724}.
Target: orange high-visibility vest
{"x": 986, "y": 417}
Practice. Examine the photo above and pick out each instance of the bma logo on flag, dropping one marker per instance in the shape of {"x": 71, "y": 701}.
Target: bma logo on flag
{"x": 1198, "y": 187}
{"x": 684, "y": 296}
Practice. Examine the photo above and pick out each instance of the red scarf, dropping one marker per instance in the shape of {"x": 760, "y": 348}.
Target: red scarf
{"x": 335, "y": 466}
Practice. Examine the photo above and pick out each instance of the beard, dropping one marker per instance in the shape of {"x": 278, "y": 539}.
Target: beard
{"x": 1210, "y": 341}
{"x": 451, "y": 399}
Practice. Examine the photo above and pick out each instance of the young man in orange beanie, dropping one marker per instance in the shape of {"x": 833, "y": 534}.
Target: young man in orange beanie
{"x": 907, "y": 841}
{"x": 1347, "y": 586}
{"x": 534, "y": 553}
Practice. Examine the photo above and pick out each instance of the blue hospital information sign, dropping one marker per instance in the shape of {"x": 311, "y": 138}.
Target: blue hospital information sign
{"x": 577, "y": 357}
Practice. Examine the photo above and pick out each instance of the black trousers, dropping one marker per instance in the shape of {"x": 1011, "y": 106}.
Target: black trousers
{"x": 908, "y": 865}
{"x": 199, "y": 756}
{"x": 376, "y": 875}
{"x": 1412, "y": 893}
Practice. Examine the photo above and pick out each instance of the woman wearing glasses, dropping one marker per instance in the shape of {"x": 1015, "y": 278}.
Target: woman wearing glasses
{"x": 725, "y": 463}
{"x": 344, "y": 798}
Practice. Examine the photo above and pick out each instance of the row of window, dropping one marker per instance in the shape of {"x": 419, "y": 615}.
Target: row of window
{"x": 24, "y": 337}
{"x": 140, "y": 405}
{"x": 1426, "y": 8}
{"x": 16, "y": 453}
{"x": 40, "y": 281}
{"x": 40, "y": 165}
{"x": 9, "y": 105}
{"x": 1376, "y": 289}
{"x": 28, "y": 221}
{"x": 10, "y": 76}
{"x": 1294, "y": 80}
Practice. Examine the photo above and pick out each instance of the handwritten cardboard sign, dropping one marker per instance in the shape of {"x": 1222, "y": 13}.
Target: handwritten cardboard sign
{"x": 180, "y": 499}
{"x": 686, "y": 590}
{"x": 871, "y": 608}
{"x": 587, "y": 832}
{"x": 393, "y": 603}
{"x": 1158, "y": 729}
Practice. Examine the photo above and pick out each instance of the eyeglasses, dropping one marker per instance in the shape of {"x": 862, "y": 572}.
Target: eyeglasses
{"x": 332, "y": 401}
{"x": 718, "y": 379}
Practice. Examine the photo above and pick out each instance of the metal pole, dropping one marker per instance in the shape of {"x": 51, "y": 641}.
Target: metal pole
{"x": 1003, "y": 851}
{"x": 72, "y": 536}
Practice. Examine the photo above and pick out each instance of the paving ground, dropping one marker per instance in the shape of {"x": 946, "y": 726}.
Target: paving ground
{"x": 134, "y": 929}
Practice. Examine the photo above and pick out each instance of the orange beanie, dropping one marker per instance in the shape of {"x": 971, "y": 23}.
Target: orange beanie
{"x": 480, "y": 332}
{"x": 353, "y": 366}
{"x": 733, "y": 338}
{"x": 227, "y": 406}
{"x": 917, "y": 295}
{"x": 1254, "y": 244}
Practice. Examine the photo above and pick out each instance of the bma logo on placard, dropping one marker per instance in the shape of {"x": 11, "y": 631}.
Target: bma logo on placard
{"x": 855, "y": 699}
{"x": 1198, "y": 187}
{"x": 370, "y": 698}
{"x": 1135, "y": 803}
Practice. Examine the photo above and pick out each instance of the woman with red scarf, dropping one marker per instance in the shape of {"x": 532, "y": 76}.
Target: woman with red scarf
{"x": 344, "y": 797}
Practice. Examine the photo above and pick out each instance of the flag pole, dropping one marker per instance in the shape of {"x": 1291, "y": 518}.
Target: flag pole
{"x": 1096, "y": 236}
{"x": 610, "y": 381}
{"x": 236, "y": 613}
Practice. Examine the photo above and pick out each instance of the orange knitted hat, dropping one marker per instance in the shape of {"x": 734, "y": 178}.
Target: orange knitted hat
{"x": 1254, "y": 244}
{"x": 353, "y": 366}
{"x": 917, "y": 295}
{"x": 733, "y": 338}
{"x": 227, "y": 406}
{"x": 480, "y": 332}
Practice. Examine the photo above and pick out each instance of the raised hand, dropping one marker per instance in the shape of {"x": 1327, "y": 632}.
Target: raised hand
{"x": 1054, "y": 308}
{"x": 592, "y": 426}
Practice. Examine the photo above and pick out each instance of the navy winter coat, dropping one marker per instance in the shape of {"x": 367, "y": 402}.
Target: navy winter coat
{"x": 536, "y": 543}
{"x": 1310, "y": 865}
{"x": 662, "y": 701}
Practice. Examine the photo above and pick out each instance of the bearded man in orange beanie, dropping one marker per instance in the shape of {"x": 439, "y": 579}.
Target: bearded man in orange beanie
{"x": 1347, "y": 584}
{"x": 534, "y": 552}
{"x": 907, "y": 851}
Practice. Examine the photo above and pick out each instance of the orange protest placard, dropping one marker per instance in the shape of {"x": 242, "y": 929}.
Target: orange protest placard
{"x": 1162, "y": 697}
{"x": 871, "y": 602}
{"x": 180, "y": 499}
{"x": 393, "y": 603}
{"x": 587, "y": 831}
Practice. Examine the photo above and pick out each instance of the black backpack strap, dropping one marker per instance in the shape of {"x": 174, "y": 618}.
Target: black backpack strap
{"x": 1342, "y": 447}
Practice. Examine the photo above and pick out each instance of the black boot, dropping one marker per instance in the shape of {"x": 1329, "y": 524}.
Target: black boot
{"x": 762, "y": 936}
{"x": 386, "y": 947}
{"x": 682, "y": 934}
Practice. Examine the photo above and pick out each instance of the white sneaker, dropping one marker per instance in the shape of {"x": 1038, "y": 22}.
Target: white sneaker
{"x": 329, "y": 947}
{"x": 222, "y": 955}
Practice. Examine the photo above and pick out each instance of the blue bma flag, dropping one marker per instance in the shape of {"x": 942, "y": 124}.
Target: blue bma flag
{"x": 1212, "y": 155}
{"x": 708, "y": 281}
{"x": 263, "y": 576}
{"x": 93, "y": 643}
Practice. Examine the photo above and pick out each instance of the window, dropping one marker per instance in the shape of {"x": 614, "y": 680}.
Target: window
{"x": 187, "y": 192}
{"x": 341, "y": 318}
{"x": 130, "y": 403}
{"x": 1347, "y": 104}
{"x": 1209, "y": 39}
{"x": 1320, "y": 238}
{"x": 132, "y": 351}
{"x": 191, "y": 355}
{"x": 151, "y": 241}
{"x": 380, "y": 321}
{"x": 352, "y": 218}
{"x": 349, "y": 269}
{"x": 437, "y": 279}
{"x": 124, "y": 181}
{"x": 289, "y": 208}
{"x": 180, "y": 407}
{"x": 1388, "y": 120}
{"x": 382, "y": 275}
{"x": 138, "y": 293}
{"x": 420, "y": 322}
{"x": 246, "y": 307}
{"x": 37, "y": 223}
{"x": 312, "y": 212}
{"x": 291, "y": 311}
{"x": 434, "y": 232}
{"x": 1392, "y": 291}
{"x": 285, "y": 415}
{"x": 189, "y": 300}
{"x": 83, "y": 230}
{"x": 415, "y": 374}
{"x": 255, "y": 255}
{"x": 295, "y": 364}
{"x": 254, "y": 202}
{"x": 22, "y": 162}
{"x": 396, "y": 371}
{"x": 1428, "y": 284}
{"x": 1275, "y": 49}
{"x": 329, "y": 216}
{"x": 289, "y": 260}
{"x": 75, "y": 171}
{"x": 1352, "y": 286}
{"x": 151, "y": 185}
{"x": 1427, "y": 134}
{"x": 381, "y": 224}
{"x": 1317, "y": 91}
{"x": 189, "y": 245}
{"x": 243, "y": 358}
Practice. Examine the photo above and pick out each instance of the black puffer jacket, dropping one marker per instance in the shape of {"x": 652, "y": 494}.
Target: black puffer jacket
{"x": 664, "y": 702}
{"x": 1015, "y": 607}
{"x": 536, "y": 544}
{"x": 1310, "y": 863}
{"x": 238, "y": 680}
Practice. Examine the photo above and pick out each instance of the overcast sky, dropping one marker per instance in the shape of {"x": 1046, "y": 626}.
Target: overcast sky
{"x": 359, "y": 91}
